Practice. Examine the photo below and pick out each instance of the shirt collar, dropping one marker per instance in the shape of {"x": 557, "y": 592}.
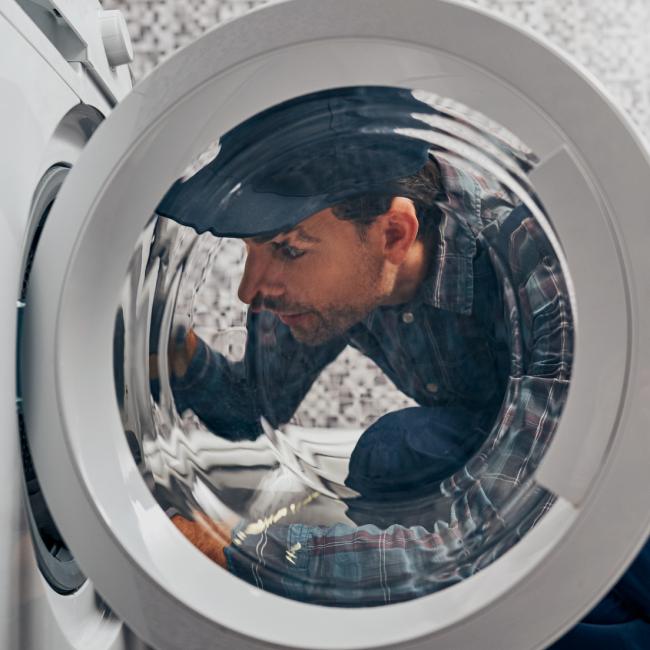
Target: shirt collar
{"x": 450, "y": 281}
{"x": 469, "y": 202}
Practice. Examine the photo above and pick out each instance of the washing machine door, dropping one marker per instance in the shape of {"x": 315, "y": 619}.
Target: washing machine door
{"x": 592, "y": 179}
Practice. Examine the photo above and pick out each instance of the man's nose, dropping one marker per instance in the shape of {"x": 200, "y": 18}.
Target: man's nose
{"x": 259, "y": 278}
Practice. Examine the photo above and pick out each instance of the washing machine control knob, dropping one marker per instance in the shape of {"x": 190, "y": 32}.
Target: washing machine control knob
{"x": 115, "y": 36}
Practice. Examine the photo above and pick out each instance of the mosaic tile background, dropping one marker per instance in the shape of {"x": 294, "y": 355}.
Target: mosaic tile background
{"x": 612, "y": 39}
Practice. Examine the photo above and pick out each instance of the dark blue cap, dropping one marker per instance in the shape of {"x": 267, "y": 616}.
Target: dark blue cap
{"x": 302, "y": 156}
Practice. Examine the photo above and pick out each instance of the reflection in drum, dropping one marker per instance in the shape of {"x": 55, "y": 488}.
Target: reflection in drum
{"x": 360, "y": 341}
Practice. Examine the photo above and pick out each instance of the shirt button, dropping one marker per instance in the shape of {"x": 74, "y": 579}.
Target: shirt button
{"x": 432, "y": 388}
{"x": 408, "y": 317}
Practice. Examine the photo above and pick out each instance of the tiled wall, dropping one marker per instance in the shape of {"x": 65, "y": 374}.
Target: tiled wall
{"x": 610, "y": 37}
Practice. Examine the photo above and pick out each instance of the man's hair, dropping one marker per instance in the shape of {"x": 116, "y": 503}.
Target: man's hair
{"x": 424, "y": 189}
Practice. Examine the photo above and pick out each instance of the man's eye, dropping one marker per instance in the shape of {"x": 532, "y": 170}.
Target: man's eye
{"x": 288, "y": 252}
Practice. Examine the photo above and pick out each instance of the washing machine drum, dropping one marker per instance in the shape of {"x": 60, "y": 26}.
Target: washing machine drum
{"x": 354, "y": 292}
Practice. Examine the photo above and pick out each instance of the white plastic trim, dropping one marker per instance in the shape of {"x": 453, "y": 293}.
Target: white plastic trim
{"x": 116, "y": 39}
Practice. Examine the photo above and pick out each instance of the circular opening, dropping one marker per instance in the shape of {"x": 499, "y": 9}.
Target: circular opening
{"x": 359, "y": 340}
{"x": 54, "y": 559}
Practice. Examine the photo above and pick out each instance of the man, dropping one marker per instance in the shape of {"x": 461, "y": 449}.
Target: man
{"x": 351, "y": 240}
{"x": 361, "y": 237}
{"x": 334, "y": 281}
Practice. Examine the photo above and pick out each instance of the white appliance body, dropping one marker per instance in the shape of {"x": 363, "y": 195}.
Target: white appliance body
{"x": 596, "y": 195}
{"x": 56, "y": 86}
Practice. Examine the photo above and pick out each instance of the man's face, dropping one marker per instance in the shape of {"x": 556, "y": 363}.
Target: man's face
{"x": 320, "y": 278}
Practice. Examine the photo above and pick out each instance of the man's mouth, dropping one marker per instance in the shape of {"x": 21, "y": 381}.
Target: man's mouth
{"x": 293, "y": 319}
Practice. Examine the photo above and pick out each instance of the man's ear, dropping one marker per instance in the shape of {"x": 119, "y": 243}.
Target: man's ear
{"x": 400, "y": 229}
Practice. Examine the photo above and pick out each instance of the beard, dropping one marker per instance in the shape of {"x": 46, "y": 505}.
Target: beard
{"x": 316, "y": 326}
{"x": 329, "y": 323}
{"x": 320, "y": 324}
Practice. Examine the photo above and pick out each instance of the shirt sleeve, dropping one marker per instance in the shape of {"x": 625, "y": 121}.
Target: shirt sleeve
{"x": 341, "y": 565}
{"x": 220, "y": 393}
{"x": 271, "y": 380}
{"x": 474, "y": 519}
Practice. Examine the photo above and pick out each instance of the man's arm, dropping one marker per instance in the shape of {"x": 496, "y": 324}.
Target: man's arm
{"x": 219, "y": 391}
{"x": 271, "y": 381}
